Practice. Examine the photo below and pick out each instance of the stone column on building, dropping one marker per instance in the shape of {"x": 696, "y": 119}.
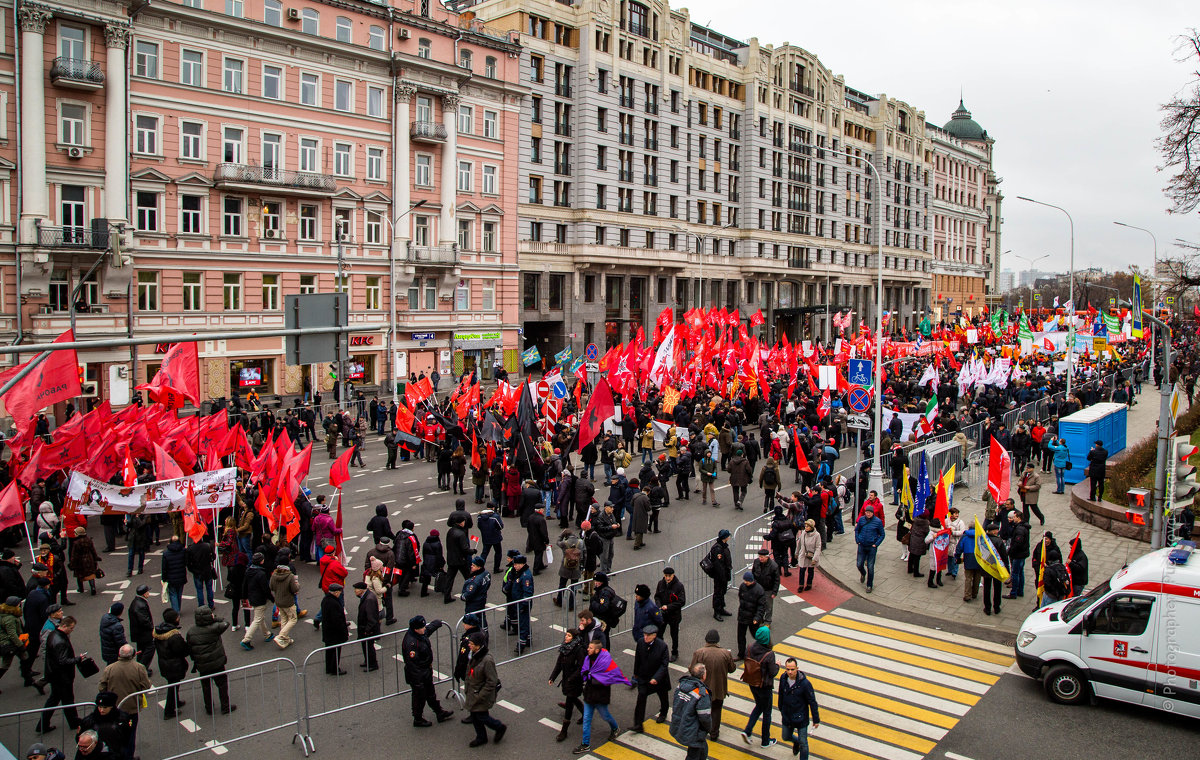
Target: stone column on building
{"x": 447, "y": 233}
{"x": 116, "y": 140}
{"x": 402, "y": 164}
{"x": 35, "y": 194}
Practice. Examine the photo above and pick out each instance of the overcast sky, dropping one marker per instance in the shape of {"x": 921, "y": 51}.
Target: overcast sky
{"x": 1070, "y": 91}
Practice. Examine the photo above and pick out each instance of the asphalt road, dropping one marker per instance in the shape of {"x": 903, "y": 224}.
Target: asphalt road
{"x": 269, "y": 693}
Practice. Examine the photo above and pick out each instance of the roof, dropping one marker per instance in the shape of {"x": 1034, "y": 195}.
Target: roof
{"x": 962, "y": 126}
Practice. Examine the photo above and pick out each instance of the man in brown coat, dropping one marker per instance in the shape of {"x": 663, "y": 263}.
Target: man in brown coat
{"x": 718, "y": 663}
{"x": 1029, "y": 488}
{"x": 124, "y": 677}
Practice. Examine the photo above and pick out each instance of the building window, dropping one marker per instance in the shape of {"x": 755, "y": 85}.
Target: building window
{"x": 145, "y": 137}
{"x": 271, "y": 218}
{"x": 489, "y": 237}
{"x": 343, "y": 95}
{"x": 466, "y": 120}
{"x": 147, "y": 291}
{"x": 308, "y": 222}
{"x": 488, "y": 295}
{"x": 231, "y": 291}
{"x": 191, "y": 214}
{"x": 373, "y": 293}
{"x": 308, "y": 284}
{"x": 344, "y": 29}
{"x": 343, "y": 223}
{"x": 72, "y": 121}
{"x": 342, "y": 159}
{"x": 491, "y": 125}
{"x": 231, "y": 217}
{"x": 462, "y": 296}
{"x": 466, "y": 173}
{"x": 192, "y": 293}
{"x": 465, "y": 238}
{"x": 234, "y": 8}
{"x": 145, "y": 59}
{"x": 233, "y": 75}
{"x": 270, "y": 292}
{"x": 375, "y": 164}
{"x": 272, "y": 153}
{"x": 424, "y": 48}
{"x": 375, "y": 39}
{"x": 375, "y": 102}
{"x": 60, "y": 290}
{"x": 554, "y": 296}
{"x": 309, "y": 151}
{"x": 374, "y": 228}
{"x": 425, "y": 170}
{"x": 489, "y": 67}
{"x": 146, "y": 204}
{"x": 589, "y": 288}
{"x": 273, "y": 12}
{"x": 272, "y": 84}
{"x": 531, "y": 283}
{"x": 231, "y": 148}
{"x": 191, "y": 68}
{"x": 310, "y": 21}
{"x": 430, "y": 293}
{"x": 489, "y": 180}
{"x": 420, "y": 230}
{"x": 310, "y": 89}
{"x": 537, "y": 68}
{"x": 341, "y": 284}
{"x": 424, "y": 108}
{"x": 464, "y": 59}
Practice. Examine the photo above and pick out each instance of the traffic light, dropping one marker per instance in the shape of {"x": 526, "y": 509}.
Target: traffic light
{"x": 1185, "y": 474}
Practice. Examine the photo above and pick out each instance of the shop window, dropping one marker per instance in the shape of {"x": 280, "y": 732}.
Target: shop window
{"x": 251, "y": 374}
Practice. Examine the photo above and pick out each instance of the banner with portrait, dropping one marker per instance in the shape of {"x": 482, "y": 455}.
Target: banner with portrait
{"x": 214, "y": 489}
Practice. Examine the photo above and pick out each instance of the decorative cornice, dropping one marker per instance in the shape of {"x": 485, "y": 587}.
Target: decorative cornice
{"x": 33, "y": 17}
{"x": 450, "y": 101}
{"x": 117, "y": 35}
{"x": 405, "y": 92}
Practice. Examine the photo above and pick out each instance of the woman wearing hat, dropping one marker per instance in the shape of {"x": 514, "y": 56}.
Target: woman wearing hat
{"x": 85, "y": 562}
{"x": 764, "y": 670}
{"x": 568, "y": 664}
{"x": 482, "y": 685}
{"x": 809, "y": 549}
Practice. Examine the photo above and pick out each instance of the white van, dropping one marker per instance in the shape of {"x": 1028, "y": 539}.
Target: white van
{"x": 1134, "y": 638}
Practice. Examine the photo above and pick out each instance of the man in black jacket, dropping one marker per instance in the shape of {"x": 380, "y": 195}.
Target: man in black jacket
{"x": 1097, "y": 469}
{"x": 650, "y": 662}
{"x": 368, "y": 624}
{"x": 458, "y": 555}
{"x": 752, "y": 608}
{"x": 334, "y": 629}
{"x": 537, "y": 539}
{"x": 766, "y": 574}
{"x": 11, "y": 582}
{"x": 208, "y": 657}
{"x": 199, "y": 559}
{"x": 722, "y": 572}
{"x": 1018, "y": 551}
{"x": 141, "y": 626}
{"x": 173, "y": 652}
{"x": 258, "y": 594}
{"x": 418, "y": 670}
{"x": 59, "y": 665}
{"x": 671, "y": 598}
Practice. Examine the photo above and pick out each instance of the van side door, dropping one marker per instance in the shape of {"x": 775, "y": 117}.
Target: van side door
{"x": 1119, "y": 645}
{"x": 1177, "y": 658}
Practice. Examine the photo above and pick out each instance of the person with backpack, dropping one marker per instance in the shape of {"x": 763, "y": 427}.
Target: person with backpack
{"x": 718, "y": 565}
{"x": 758, "y": 672}
{"x": 691, "y": 713}
{"x": 606, "y": 606}
{"x": 752, "y": 609}
{"x": 797, "y": 700}
{"x": 782, "y": 538}
{"x": 570, "y": 567}
{"x": 475, "y": 589}
{"x": 769, "y": 481}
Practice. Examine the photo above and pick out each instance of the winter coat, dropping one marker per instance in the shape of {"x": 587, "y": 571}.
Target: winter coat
{"x": 691, "y": 713}
{"x": 379, "y": 525}
{"x": 645, "y": 612}
{"x": 418, "y": 654}
{"x": 332, "y": 571}
{"x": 740, "y": 473}
{"x": 284, "y": 585}
{"x": 965, "y": 552}
{"x": 718, "y": 662}
{"x": 916, "y": 536}
{"x": 1097, "y": 463}
{"x": 752, "y": 603}
{"x": 672, "y": 596}
{"x": 368, "y": 615}
{"x": 641, "y": 512}
{"x": 10, "y": 629}
{"x": 808, "y": 548}
{"x": 112, "y": 636}
{"x": 1061, "y": 453}
{"x": 868, "y": 532}
{"x": 199, "y": 559}
{"x": 768, "y": 478}
{"x": 491, "y": 527}
{"x": 141, "y": 622}
{"x": 334, "y": 627}
{"x": 11, "y": 582}
{"x": 47, "y": 519}
{"x": 482, "y": 681}
{"x": 324, "y": 530}
{"x": 258, "y": 586}
{"x": 570, "y": 541}
{"x": 537, "y": 533}
{"x": 796, "y": 700}
{"x": 60, "y": 660}
{"x": 475, "y": 591}
{"x": 722, "y": 561}
{"x": 433, "y": 559}
{"x": 84, "y": 559}
{"x": 766, "y": 574}
{"x": 204, "y": 642}
{"x": 1029, "y": 487}
{"x": 650, "y": 662}
{"x": 172, "y": 649}
{"x": 567, "y": 665}
{"x": 1018, "y": 542}
{"x": 174, "y": 564}
{"x": 458, "y": 547}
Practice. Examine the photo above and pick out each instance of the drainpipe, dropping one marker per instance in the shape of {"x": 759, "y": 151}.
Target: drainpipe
{"x": 391, "y": 298}
{"x": 16, "y": 25}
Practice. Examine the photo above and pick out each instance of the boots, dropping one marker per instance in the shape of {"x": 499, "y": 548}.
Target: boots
{"x": 562, "y": 733}
{"x": 92, "y": 586}
{"x": 929, "y": 583}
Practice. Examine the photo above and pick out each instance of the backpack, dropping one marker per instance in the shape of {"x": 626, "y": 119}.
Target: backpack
{"x": 770, "y": 478}
{"x": 619, "y": 606}
{"x": 571, "y": 557}
{"x": 752, "y": 672}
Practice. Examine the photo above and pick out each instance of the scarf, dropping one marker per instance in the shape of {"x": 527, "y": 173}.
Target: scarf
{"x": 603, "y": 670}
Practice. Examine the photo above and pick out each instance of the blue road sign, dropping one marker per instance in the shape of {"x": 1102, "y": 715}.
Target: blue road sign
{"x": 860, "y": 372}
{"x": 858, "y": 399}
{"x": 592, "y": 352}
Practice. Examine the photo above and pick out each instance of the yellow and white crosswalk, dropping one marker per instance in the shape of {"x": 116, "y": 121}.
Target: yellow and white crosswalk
{"x": 886, "y": 689}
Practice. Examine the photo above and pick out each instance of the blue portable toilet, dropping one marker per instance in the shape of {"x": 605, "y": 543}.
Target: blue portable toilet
{"x": 1080, "y": 431}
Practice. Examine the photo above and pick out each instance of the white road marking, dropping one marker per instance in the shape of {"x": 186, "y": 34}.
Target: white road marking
{"x": 216, "y": 747}
{"x": 851, "y": 655}
{"x": 924, "y": 631}
{"x": 407, "y": 482}
{"x": 510, "y": 706}
{"x": 361, "y": 490}
{"x": 956, "y": 756}
{"x": 814, "y": 610}
{"x": 189, "y": 725}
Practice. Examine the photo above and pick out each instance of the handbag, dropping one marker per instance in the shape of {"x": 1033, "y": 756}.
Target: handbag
{"x": 87, "y": 667}
{"x": 706, "y": 565}
{"x": 99, "y": 573}
{"x": 548, "y": 556}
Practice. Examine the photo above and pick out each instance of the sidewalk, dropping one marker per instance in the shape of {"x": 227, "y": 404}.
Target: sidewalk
{"x": 1106, "y": 552}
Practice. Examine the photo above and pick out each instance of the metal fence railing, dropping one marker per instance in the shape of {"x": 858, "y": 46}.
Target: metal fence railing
{"x": 20, "y": 729}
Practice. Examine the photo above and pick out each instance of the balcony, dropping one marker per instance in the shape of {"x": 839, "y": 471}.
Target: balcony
{"x": 562, "y": 129}
{"x": 651, "y": 180}
{"x": 650, "y": 144}
{"x": 634, "y": 27}
{"x": 446, "y": 255}
{"x": 98, "y": 238}
{"x": 806, "y": 91}
{"x": 76, "y": 73}
{"x": 562, "y": 168}
{"x": 427, "y": 131}
{"x": 562, "y": 90}
{"x": 625, "y": 175}
{"x": 254, "y": 178}
{"x": 626, "y": 138}
{"x": 626, "y": 101}
{"x": 651, "y": 107}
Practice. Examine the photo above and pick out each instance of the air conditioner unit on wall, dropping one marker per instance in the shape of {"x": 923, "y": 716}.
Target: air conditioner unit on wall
{"x": 293, "y": 14}
{"x": 75, "y": 152}
{"x": 271, "y": 233}
{"x": 404, "y": 34}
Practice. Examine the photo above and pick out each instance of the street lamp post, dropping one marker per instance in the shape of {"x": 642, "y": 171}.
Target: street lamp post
{"x": 392, "y": 294}
{"x": 700, "y": 241}
{"x": 1030, "y": 262}
{"x": 1154, "y": 270}
{"x": 875, "y": 479}
{"x": 1071, "y": 297}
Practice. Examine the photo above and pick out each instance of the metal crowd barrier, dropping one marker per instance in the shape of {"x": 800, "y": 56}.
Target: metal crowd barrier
{"x": 19, "y": 729}
{"x": 271, "y": 687}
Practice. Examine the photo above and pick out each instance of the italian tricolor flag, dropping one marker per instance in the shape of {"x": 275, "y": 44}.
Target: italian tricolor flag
{"x": 930, "y": 414}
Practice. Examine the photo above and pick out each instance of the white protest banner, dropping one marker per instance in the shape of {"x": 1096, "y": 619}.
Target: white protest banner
{"x": 87, "y": 496}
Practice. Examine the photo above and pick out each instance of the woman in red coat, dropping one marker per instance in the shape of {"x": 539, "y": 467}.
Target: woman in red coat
{"x": 512, "y": 490}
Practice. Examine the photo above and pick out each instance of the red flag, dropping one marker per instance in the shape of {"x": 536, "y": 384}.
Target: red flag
{"x": 289, "y": 517}
{"x": 339, "y": 471}
{"x": 999, "y": 471}
{"x": 11, "y": 510}
{"x": 600, "y": 408}
{"x": 337, "y": 523}
{"x": 824, "y": 406}
{"x": 475, "y": 461}
{"x": 294, "y": 469}
{"x": 801, "y": 460}
{"x": 1049, "y": 344}
{"x": 55, "y": 379}
{"x": 264, "y": 509}
{"x": 128, "y": 471}
{"x": 757, "y": 318}
{"x": 165, "y": 468}
{"x": 193, "y": 526}
{"x": 178, "y": 378}
{"x": 404, "y": 418}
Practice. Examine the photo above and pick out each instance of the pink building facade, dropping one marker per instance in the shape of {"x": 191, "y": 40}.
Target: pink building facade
{"x": 187, "y": 165}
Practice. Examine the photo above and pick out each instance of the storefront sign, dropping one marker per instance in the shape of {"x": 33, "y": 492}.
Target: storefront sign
{"x": 161, "y": 348}
{"x": 464, "y": 336}
{"x": 362, "y": 340}
{"x": 423, "y": 336}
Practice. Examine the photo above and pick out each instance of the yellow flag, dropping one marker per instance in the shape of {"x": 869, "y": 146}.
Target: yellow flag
{"x": 986, "y": 556}
{"x": 906, "y": 497}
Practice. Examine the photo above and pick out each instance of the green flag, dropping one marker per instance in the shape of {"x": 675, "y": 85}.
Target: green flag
{"x": 1023, "y": 330}
{"x": 1112, "y": 324}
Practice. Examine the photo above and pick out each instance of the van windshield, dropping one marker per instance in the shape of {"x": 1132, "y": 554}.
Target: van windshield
{"x": 1081, "y": 603}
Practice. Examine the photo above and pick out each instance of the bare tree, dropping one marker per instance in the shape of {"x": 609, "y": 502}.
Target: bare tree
{"x": 1180, "y": 143}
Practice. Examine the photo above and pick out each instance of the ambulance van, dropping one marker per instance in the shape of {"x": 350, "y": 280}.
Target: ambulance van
{"x": 1134, "y": 638}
